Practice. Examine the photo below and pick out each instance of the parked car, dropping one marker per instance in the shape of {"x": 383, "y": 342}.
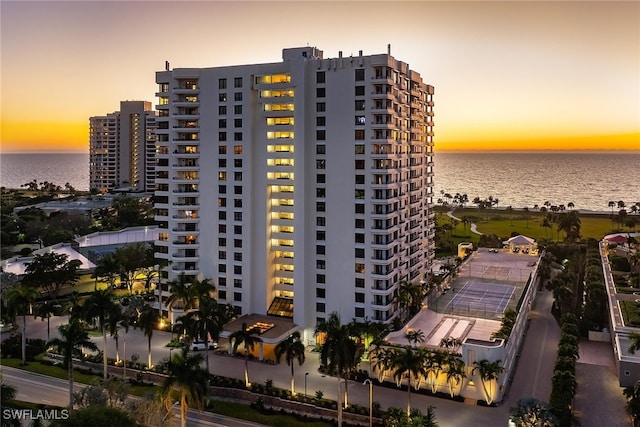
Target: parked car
{"x": 201, "y": 345}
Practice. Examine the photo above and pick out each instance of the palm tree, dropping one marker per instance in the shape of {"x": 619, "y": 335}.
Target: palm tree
{"x": 19, "y": 299}
{"x": 99, "y": 308}
{"x": 107, "y": 269}
{"x": 434, "y": 364}
{"x": 44, "y": 311}
{"x": 451, "y": 344}
{"x": 570, "y": 224}
{"x": 115, "y": 324}
{"x": 455, "y": 372}
{"x": 409, "y": 361}
{"x": 206, "y": 322}
{"x": 292, "y": 349}
{"x": 148, "y": 321}
{"x": 186, "y": 377}
{"x": 545, "y": 224}
{"x": 414, "y": 336}
{"x": 73, "y": 338}
{"x": 532, "y": 412}
{"x": 382, "y": 361}
{"x": 488, "y": 371}
{"x": 249, "y": 338}
{"x": 182, "y": 294}
{"x": 634, "y": 337}
{"x": 341, "y": 351}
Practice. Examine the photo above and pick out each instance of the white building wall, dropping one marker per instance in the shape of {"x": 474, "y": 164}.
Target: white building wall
{"x": 206, "y": 113}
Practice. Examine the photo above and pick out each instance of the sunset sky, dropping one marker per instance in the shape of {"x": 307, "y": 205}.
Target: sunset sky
{"x": 508, "y": 75}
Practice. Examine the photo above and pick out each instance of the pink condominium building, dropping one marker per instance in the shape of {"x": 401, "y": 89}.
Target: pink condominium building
{"x": 300, "y": 187}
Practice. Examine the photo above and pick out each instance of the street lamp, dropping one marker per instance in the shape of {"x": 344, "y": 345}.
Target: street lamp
{"x": 368, "y": 381}
{"x": 306, "y": 374}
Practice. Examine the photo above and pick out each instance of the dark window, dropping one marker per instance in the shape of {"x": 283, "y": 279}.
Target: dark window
{"x": 222, "y": 242}
{"x": 237, "y": 82}
{"x": 222, "y": 97}
{"x": 320, "y": 164}
{"x": 320, "y": 278}
{"x": 222, "y": 255}
{"x": 359, "y": 223}
{"x": 222, "y": 228}
{"x": 359, "y": 252}
{"x": 321, "y": 178}
{"x": 222, "y": 110}
{"x": 222, "y": 163}
{"x": 237, "y": 96}
{"x": 359, "y": 179}
{"x": 237, "y": 256}
{"x": 360, "y": 74}
{"x": 237, "y": 203}
{"x": 222, "y": 294}
{"x": 359, "y": 311}
{"x": 359, "y": 164}
{"x": 321, "y": 221}
{"x": 222, "y": 123}
{"x": 222, "y": 136}
{"x": 359, "y": 208}
{"x": 222, "y": 215}
{"x": 237, "y": 136}
{"x": 237, "y": 163}
{"x": 321, "y": 149}
{"x": 320, "y": 135}
{"x": 321, "y": 92}
{"x": 359, "y": 282}
{"x": 320, "y": 77}
{"x": 321, "y": 192}
{"x": 321, "y": 293}
{"x": 222, "y": 83}
{"x": 359, "y": 238}
{"x": 359, "y": 148}
{"x": 237, "y": 123}
{"x": 359, "y": 297}
{"x": 320, "y": 264}
{"x": 237, "y": 176}
{"x": 222, "y": 268}
{"x": 237, "y": 243}
{"x": 320, "y": 307}
{"x": 237, "y": 269}
{"x": 237, "y": 216}
{"x": 222, "y": 149}
{"x": 237, "y": 283}
{"x": 237, "y": 296}
{"x": 237, "y": 109}
{"x": 320, "y": 235}
{"x": 237, "y": 189}
{"x": 320, "y": 107}
{"x": 359, "y": 105}
{"x": 359, "y": 90}
{"x": 320, "y": 207}
{"x": 321, "y": 121}
{"x": 359, "y": 134}
{"x": 320, "y": 250}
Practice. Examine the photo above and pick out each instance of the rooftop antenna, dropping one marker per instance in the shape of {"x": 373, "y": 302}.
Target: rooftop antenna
{"x": 166, "y": 65}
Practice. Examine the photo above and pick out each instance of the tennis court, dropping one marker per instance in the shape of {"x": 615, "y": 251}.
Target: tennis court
{"x": 473, "y": 295}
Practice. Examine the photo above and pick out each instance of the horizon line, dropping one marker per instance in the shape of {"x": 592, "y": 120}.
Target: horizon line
{"x": 510, "y": 150}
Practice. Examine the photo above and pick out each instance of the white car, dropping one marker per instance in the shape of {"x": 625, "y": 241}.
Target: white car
{"x": 201, "y": 345}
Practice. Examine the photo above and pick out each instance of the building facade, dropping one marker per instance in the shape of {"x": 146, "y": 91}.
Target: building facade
{"x": 122, "y": 148}
{"x": 301, "y": 187}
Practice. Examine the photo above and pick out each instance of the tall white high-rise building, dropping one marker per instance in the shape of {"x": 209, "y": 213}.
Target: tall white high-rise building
{"x": 300, "y": 187}
{"x": 122, "y": 148}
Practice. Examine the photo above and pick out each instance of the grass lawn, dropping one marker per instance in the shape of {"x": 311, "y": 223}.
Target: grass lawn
{"x": 503, "y": 223}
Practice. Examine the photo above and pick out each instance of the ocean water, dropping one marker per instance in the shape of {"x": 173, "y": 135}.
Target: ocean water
{"x": 19, "y": 169}
{"x": 588, "y": 179}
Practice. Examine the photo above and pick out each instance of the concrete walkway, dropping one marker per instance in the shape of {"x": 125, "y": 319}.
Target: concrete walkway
{"x": 474, "y": 227}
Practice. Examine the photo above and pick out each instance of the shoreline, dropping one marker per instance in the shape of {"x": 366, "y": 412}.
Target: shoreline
{"x": 535, "y": 211}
